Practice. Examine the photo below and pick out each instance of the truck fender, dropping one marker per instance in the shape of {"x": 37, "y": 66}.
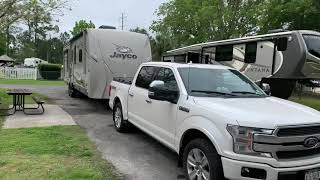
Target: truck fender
{"x": 124, "y": 108}
{"x": 205, "y": 126}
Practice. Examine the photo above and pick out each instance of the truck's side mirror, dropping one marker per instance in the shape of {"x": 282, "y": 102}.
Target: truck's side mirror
{"x": 282, "y": 44}
{"x": 266, "y": 88}
{"x": 158, "y": 91}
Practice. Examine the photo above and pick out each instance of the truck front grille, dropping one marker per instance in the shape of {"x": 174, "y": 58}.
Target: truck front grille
{"x": 298, "y": 131}
{"x": 288, "y": 142}
{"x": 297, "y": 154}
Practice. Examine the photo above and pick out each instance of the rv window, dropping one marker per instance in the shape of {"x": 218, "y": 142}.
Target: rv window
{"x": 313, "y": 44}
{"x": 224, "y": 53}
{"x": 75, "y": 55}
{"x": 193, "y": 57}
{"x": 145, "y": 77}
{"x": 80, "y": 55}
{"x": 251, "y": 52}
{"x": 282, "y": 44}
{"x": 180, "y": 58}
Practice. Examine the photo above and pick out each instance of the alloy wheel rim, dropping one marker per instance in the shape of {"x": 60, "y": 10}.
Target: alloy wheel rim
{"x": 198, "y": 165}
{"x": 118, "y": 117}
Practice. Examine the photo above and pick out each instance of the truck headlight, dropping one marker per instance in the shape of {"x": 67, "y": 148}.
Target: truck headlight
{"x": 243, "y": 139}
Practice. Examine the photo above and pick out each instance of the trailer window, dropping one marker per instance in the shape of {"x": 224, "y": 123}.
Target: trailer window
{"x": 145, "y": 77}
{"x": 224, "y": 53}
{"x": 80, "y": 55}
{"x": 75, "y": 55}
{"x": 251, "y": 52}
{"x": 313, "y": 44}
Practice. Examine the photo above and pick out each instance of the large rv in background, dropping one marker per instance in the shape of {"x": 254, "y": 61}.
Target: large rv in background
{"x": 95, "y": 57}
{"x": 280, "y": 59}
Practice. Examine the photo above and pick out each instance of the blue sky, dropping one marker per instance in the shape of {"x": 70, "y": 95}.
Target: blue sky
{"x": 138, "y": 13}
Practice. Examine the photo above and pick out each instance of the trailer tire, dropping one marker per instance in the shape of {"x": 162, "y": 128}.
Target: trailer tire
{"x": 119, "y": 123}
{"x": 71, "y": 91}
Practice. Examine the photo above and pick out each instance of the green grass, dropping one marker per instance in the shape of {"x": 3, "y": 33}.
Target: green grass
{"x": 32, "y": 82}
{"x": 50, "y": 153}
{"x": 311, "y": 100}
{"x": 63, "y": 152}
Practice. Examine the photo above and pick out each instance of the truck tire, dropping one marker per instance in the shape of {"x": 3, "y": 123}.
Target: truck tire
{"x": 200, "y": 159}
{"x": 119, "y": 123}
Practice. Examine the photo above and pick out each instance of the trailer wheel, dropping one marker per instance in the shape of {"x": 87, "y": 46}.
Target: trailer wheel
{"x": 119, "y": 123}
{"x": 71, "y": 91}
{"x": 201, "y": 161}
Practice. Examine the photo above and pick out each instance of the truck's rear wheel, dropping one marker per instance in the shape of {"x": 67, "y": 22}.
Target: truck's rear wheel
{"x": 119, "y": 123}
{"x": 201, "y": 161}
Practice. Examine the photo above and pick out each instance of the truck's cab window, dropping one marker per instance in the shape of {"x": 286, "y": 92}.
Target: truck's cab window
{"x": 145, "y": 77}
{"x": 166, "y": 75}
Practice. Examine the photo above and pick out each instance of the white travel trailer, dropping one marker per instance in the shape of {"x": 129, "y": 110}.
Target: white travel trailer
{"x": 279, "y": 59}
{"x": 33, "y": 62}
{"x": 95, "y": 57}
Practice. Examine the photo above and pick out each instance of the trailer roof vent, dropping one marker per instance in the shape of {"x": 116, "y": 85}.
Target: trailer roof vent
{"x": 106, "y": 27}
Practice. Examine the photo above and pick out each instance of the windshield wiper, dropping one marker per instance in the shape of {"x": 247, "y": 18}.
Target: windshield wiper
{"x": 213, "y": 92}
{"x": 246, "y": 92}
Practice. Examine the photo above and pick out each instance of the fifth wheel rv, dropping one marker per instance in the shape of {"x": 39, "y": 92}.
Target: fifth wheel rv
{"x": 95, "y": 57}
{"x": 279, "y": 59}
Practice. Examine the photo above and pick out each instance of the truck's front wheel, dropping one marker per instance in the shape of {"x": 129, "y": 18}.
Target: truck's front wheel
{"x": 119, "y": 123}
{"x": 201, "y": 161}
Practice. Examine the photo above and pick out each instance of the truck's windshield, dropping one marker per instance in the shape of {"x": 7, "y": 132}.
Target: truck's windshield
{"x": 218, "y": 82}
{"x": 313, "y": 44}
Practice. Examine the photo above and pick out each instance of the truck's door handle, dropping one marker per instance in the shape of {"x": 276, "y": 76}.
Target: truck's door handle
{"x": 148, "y": 101}
{"x": 184, "y": 109}
{"x": 131, "y": 94}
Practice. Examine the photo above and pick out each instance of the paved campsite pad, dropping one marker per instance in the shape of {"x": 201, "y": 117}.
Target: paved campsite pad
{"x": 53, "y": 116}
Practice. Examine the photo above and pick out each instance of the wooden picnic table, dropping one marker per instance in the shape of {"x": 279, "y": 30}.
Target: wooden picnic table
{"x": 18, "y": 95}
{"x": 18, "y": 102}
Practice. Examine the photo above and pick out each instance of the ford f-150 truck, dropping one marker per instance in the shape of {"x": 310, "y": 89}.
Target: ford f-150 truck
{"x": 221, "y": 124}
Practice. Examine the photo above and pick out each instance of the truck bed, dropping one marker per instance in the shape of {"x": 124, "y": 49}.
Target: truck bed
{"x": 125, "y": 80}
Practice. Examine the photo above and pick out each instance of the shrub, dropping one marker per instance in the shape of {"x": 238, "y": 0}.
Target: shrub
{"x": 50, "y": 71}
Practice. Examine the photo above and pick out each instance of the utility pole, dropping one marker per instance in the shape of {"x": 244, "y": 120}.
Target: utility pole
{"x": 122, "y": 21}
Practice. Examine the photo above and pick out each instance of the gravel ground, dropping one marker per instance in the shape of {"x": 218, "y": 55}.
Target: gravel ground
{"x": 135, "y": 154}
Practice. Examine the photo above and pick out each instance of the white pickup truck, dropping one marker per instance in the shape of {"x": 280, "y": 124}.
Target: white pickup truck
{"x": 220, "y": 123}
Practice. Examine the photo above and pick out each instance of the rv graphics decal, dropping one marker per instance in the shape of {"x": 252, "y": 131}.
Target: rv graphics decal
{"x": 123, "y": 52}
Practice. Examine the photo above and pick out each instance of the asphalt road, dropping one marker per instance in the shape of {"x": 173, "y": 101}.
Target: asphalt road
{"x": 135, "y": 155}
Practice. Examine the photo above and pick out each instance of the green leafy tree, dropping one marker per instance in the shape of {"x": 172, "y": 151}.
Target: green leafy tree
{"x": 185, "y": 22}
{"x": 290, "y": 14}
{"x": 81, "y": 26}
{"x": 192, "y": 21}
{"x": 159, "y": 44}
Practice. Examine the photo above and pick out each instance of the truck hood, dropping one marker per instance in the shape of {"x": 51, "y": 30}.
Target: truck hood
{"x": 269, "y": 112}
